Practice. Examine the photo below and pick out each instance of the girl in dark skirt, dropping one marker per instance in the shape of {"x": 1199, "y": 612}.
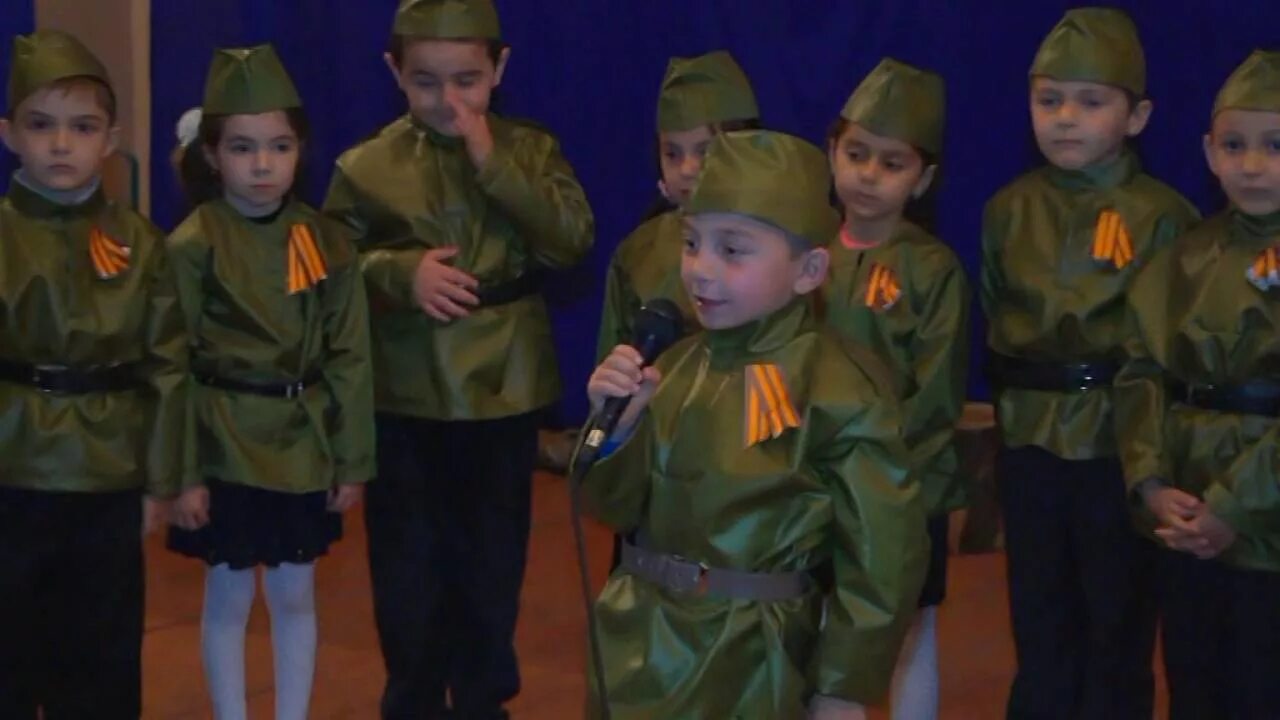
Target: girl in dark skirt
{"x": 283, "y": 397}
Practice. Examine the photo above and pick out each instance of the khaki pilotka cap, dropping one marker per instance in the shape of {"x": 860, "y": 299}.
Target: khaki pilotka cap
{"x": 1097, "y": 45}
{"x": 899, "y": 101}
{"x": 1255, "y": 85}
{"x": 248, "y": 81}
{"x": 770, "y": 176}
{"x": 448, "y": 19}
{"x": 704, "y": 90}
{"x": 45, "y": 57}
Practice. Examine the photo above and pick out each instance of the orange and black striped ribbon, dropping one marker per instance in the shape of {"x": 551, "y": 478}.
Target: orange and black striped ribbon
{"x": 1112, "y": 244}
{"x": 306, "y": 264}
{"x": 769, "y": 411}
{"x": 110, "y": 258}
{"x": 883, "y": 289}
{"x": 1264, "y": 272}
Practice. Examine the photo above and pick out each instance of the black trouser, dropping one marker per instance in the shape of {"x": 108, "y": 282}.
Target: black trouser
{"x": 1221, "y": 636}
{"x": 71, "y": 605}
{"x": 1079, "y": 589}
{"x": 448, "y": 524}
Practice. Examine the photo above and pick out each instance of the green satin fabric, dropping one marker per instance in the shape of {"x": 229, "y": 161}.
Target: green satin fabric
{"x": 836, "y": 491}
{"x": 1047, "y": 299}
{"x": 923, "y": 338}
{"x": 646, "y": 266}
{"x": 55, "y": 310}
{"x": 1198, "y": 320}
{"x": 408, "y": 190}
{"x": 232, "y": 278}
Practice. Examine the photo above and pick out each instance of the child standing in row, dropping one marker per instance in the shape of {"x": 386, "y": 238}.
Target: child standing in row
{"x": 1197, "y": 405}
{"x": 279, "y": 336}
{"x": 93, "y": 397}
{"x": 761, "y": 469}
{"x": 1060, "y": 246}
{"x": 700, "y": 98}
{"x": 457, "y": 212}
{"x": 901, "y": 294}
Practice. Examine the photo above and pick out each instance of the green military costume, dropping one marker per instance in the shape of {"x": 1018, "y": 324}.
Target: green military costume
{"x": 49, "y": 258}
{"x": 93, "y": 412}
{"x": 1204, "y": 323}
{"x": 907, "y": 299}
{"x": 448, "y": 517}
{"x": 696, "y": 92}
{"x": 1047, "y": 296}
{"x": 829, "y": 487}
{"x": 922, "y": 335}
{"x": 233, "y": 278}
{"x": 411, "y": 189}
{"x": 1196, "y": 408}
{"x": 1059, "y": 251}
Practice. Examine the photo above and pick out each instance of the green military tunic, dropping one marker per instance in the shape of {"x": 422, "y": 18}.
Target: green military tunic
{"x": 646, "y": 266}
{"x": 923, "y": 337}
{"x": 232, "y": 275}
{"x": 1047, "y": 299}
{"x": 1200, "y": 319}
{"x": 833, "y": 491}
{"x": 56, "y": 309}
{"x": 411, "y": 189}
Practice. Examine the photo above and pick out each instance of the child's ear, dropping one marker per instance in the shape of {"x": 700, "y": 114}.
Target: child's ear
{"x": 113, "y": 141}
{"x": 1209, "y": 156}
{"x": 393, "y": 67}
{"x": 501, "y": 68}
{"x": 1138, "y": 117}
{"x": 922, "y": 185}
{"x": 813, "y": 271}
{"x": 6, "y": 134}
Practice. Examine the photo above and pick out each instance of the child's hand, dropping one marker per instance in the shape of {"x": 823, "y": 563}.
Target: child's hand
{"x": 153, "y": 512}
{"x": 620, "y": 375}
{"x": 1216, "y": 535}
{"x": 191, "y": 510}
{"x": 1173, "y": 508}
{"x": 441, "y": 290}
{"x": 473, "y": 127}
{"x": 822, "y": 707}
{"x": 344, "y": 497}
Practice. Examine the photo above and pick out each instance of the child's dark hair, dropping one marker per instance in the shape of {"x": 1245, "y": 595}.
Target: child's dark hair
{"x": 662, "y": 205}
{"x": 922, "y": 211}
{"x": 397, "y": 44}
{"x": 202, "y": 183}
{"x": 103, "y": 94}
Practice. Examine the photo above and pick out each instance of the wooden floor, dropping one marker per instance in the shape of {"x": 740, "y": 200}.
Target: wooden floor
{"x": 976, "y": 652}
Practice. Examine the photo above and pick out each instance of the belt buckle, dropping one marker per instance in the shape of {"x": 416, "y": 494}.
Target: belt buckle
{"x": 42, "y": 377}
{"x": 292, "y": 391}
{"x": 686, "y": 576}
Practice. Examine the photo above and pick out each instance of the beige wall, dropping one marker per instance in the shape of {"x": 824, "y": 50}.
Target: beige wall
{"x": 118, "y": 32}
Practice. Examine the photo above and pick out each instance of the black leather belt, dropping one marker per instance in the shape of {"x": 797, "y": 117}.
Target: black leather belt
{"x": 60, "y": 379}
{"x": 1255, "y": 397}
{"x": 287, "y": 391}
{"x": 1049, "y": 376}
{"x": 505, "y": 293}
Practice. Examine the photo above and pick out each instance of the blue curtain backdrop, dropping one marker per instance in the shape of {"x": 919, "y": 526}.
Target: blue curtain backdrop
{"x": 589, "y": 70}
{"x": 18, "y": 16}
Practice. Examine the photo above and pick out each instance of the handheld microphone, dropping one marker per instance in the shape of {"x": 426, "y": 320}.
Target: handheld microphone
{"x": 658, "y": 325}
